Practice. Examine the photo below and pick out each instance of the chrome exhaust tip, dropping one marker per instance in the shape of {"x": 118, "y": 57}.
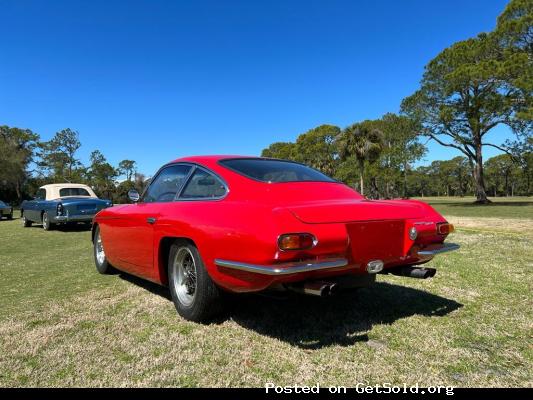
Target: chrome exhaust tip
{"x": 315, "y": 288}
{"x": 413, "y": 272}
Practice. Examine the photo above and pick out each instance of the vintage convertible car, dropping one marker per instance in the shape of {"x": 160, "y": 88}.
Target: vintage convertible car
{"x": 62, "y": 203}
{"x": 215, "y": 224}
{"x": 6, "y": 210}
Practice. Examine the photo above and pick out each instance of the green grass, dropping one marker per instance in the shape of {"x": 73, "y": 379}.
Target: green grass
{"x": 62, "y": 324}
{"x": 501, "y": 207}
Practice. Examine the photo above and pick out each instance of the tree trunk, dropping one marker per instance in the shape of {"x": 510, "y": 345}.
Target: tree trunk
{"x": 19, "y": 193}
{"x": 481, "y": 194}
{"x": 404, "y": 180}
{"x": 361, "y": 182}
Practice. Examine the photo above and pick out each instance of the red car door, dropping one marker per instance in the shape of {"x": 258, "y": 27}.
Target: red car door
{"x": 133, "y": 240}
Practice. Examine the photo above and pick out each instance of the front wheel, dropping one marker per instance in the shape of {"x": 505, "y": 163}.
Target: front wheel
{"x": 100, "y": 259}
{"x": 195, "y": 295}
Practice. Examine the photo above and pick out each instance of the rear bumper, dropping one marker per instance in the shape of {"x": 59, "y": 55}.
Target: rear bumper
{"x": 72, "y": 218}
{"x": 285, "y": 268}
{"x": 437, "y": 249}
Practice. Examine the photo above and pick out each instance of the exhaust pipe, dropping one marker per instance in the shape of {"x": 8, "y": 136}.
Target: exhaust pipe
{"x": 314, "y": 288}
{"x": 413, "y": 272}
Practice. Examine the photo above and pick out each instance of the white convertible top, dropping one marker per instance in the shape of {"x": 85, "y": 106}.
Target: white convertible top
{"x": 52, "y": 190}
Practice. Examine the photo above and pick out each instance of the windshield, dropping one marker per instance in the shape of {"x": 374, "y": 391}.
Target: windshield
{"x": 2, "y": 204}
{"x": 273, "y": 171}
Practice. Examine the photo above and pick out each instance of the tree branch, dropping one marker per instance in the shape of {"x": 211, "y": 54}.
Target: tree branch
{"x": 506, "y": 151}
{"x": 461, "y": 149}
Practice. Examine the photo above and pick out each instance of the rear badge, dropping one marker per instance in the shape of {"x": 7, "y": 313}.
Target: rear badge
{"x": 374, "y": 266}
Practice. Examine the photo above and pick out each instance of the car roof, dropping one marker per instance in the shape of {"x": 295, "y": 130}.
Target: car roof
{"x": 63, "y": 185}
{"x": 208, "y": 158}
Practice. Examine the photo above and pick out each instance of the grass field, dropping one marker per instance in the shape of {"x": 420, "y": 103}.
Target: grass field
{"x": 62, "y": 324}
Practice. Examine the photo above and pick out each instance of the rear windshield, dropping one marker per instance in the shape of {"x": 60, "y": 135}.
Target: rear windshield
{"x": 73, "y": 192}
{"x": 266, "y": 170}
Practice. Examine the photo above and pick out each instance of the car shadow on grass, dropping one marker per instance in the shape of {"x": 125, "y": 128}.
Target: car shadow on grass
{"x": 344, "y": 319}
{"x": 313, "y": 323}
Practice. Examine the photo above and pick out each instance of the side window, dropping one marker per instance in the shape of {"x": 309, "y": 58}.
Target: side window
{"x": 73, "y": 192}
{"x": 41, "y": 194}
{"x": 203, "y": 185}
{"x": 167, "y": 184}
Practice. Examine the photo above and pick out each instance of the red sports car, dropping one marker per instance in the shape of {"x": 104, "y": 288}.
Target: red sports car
{"x": 213, "y": 224}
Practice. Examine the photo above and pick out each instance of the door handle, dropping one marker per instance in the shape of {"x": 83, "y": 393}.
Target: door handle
{"x": 151, "y": 220}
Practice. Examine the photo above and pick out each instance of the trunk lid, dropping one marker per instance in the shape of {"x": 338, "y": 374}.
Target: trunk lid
{"x": 347, "y": 211}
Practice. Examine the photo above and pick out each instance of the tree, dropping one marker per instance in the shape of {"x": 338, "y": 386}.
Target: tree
{"x": 282, "y": 150}
{"x": 503, "y": 173}
{"x": 362, "y": 142}
{"x": 101, "y": 174}
{"x": 317, "y": 148}
{"x": 401, "y": 145}
{"x": 17, "y": 148}
{"x": 127, "y": 168}
{"x": 58, "y": 156}
{"x": 461, "y": 100}
{"x": 514, "y": 37}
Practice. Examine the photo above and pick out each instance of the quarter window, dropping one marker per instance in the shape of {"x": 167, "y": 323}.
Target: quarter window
{"x": 41, "y": 194}
{"x": 203, "y": 185}
{"x": 167, "y": 184}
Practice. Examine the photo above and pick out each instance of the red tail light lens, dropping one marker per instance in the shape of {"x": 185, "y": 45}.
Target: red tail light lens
{"x": 296, "y": 241}
{"x": 445, "y": 228}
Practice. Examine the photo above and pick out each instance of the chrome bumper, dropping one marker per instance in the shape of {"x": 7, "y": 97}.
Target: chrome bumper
{"x": 431, "y": 251}
{"x": 285, "y": 268}
{"x": 73, "y": 218}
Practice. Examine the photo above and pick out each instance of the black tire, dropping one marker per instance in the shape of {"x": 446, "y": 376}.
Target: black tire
{"x": 206, "y": 299}
{"x": 26, "y": 223}
{"x": 102, "y": 265}
{"x": 10, "y": 216}
{"x": 47, "y": 225}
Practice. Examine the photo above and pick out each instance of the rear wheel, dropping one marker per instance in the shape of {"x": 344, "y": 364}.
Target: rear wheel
{"x": 100, "y": 259}
{"x": 195, "y": 295}
{"x": 47, "y": 225}
{"x": 25, "y": 222}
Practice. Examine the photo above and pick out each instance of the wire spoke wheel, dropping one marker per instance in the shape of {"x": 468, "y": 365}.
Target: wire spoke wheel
{"x": 184, "y": 276}
{"x": 100, "y": 253}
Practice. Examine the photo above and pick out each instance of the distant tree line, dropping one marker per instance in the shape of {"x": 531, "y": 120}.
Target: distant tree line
{"x": 466, "y": 91}
{"x": 26, "y": 163}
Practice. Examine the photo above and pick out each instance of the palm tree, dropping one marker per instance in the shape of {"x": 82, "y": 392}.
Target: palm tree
{"x": 362, "y": 142}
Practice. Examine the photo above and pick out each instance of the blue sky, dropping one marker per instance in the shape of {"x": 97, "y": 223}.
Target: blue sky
{"x": 155, "y": 80}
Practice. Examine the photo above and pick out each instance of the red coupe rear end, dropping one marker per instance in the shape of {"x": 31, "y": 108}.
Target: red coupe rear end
{"x": 211, "y": 224}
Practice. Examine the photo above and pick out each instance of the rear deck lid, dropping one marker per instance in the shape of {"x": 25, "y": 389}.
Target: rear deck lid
{"x": 356, "y": 210}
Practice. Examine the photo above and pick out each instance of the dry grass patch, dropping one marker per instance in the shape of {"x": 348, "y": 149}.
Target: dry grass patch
{"x": 499, "y": 225}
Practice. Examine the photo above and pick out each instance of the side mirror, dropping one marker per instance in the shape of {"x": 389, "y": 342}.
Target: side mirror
{"x": 133, "y": 195}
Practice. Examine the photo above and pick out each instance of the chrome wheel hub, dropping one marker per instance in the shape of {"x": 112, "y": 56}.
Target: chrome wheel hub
{"x": 184, "y": 276}
{"x": 100, "y": 254}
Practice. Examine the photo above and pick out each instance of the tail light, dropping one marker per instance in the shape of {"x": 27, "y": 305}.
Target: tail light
{"x": 444, "y": 228}
{"x": 296, "y": 241}
{"x": 60, "y": 209}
